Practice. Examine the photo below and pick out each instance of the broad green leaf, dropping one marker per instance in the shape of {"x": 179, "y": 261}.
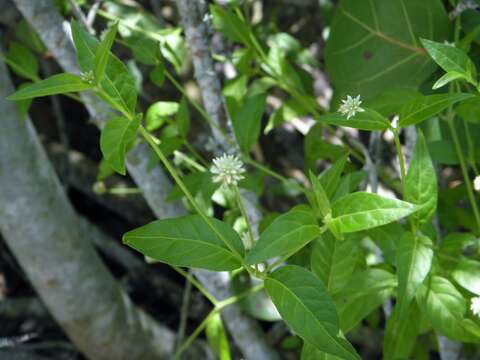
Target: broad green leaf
{"x": 421, "y": 181}
{"x": 451, "y": 59}
{"x": 401, "y": 333}
{"x": 321, "y": 203}
{"x": 467, "y": 275}
{"x": 182, "y": 118}
{"x": 469, "y": 110}
{"x": 361, "y": 211}
{"x": 247, "y": 120}
{"x": 426, "y": 107}
{"x": 188, "y": 241}
{"x": 217, "y": 337}
{"x": 414, "y": 260}
{"x": 116, "y": 139}
{"x": 22, "y": 61}
{"x": 306, "y": 307}
{"x": 445, "y": 308}
{"x": 56, "y": 84}
{"x": 333, "y": 261}
{"x": 330, "y": 177}
{"x": 285, "y": 235}
{"x": 390, "y": 102}
{"x": 366, "y": 120}
{"x": 366, "y": 291}
{"x": 233, "y": 27}
{"x": 374, "y": 45}
{"x": 102, "y": 53}
{"x": 158, "y": 113}
{"x": 117, "y": 83}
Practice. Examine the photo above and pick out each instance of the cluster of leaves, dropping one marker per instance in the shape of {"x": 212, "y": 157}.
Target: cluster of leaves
{"x": 330, "y": 263}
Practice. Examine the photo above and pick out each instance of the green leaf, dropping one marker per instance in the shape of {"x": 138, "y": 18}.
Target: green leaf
{"x": 467, "y": 275}
{"x": 217, "y": 337}
{"x": 285, "y": 235}
{"x": 233, "y": 27}
{"x": 116, "y": 139}
{"x": 333, "y": 261}
{"x": 247, "y": 120}
{"x": 349, "y": 183}
{"x": 446, "y": 79}
{"x": 426, "y": 107}
{"x": 373, "y": 45}
{"x": 386, "y": 238}
{"x": 56, "y": 84}
{"x": 469, "y": 110}
{"x": 188, "y": 241}
{"x": 361, "y": 211}
{"x": 306, "y": 307}
{"x": 401, "y": 333}
{"x": 102, "y": 53}
{"x": 414, "y": 260}
{"x": 451, "y": 59}
{"x": 445, "y": 308}
{"x": 366, "y": 120}
{"x": 117, "y": 83}
{"x": 366, "y": 291}
{"x": 421, "y": 181}
{"x": 22, "y": 61}
{"x": 182, "y": 118}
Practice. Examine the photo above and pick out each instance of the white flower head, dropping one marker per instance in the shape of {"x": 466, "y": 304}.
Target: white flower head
{"x": 88, "y": 77}
{"x": 227, "y": 169}
{"x": 476, "y": 183}
{"x": 350, "y": 106}
{"x": 475, "y": 305}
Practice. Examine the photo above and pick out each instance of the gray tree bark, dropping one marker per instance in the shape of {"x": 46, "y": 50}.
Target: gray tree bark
{"x": 47, "y": 238}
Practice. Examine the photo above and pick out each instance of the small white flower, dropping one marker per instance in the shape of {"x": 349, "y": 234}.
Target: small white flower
{"x": 350, "y": 106}
{"x": 475, "y": 306}
{"x": 227, "y": 169}
{"x": 476, "y": 183}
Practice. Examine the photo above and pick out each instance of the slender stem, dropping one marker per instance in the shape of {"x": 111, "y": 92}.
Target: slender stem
{"x": 463, "y": 165}
{"x": 189, "y": 161}
{"x": 401, "y": 157}
{"x": 194, "y": 335}
{"x": 123, "y": 191}
{"x": 219, "y": 307}
{"x": 244, "y": 214}
{"x": 195, "y": 283}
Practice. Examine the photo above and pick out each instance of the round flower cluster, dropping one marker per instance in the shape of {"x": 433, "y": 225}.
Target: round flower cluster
{"x": 227, "y": 169}
{"x": 350, "y": 106}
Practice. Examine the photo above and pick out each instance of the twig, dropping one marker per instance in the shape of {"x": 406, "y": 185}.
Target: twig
{"x": 80, "y": 16}
{"x": 92, "y": 13}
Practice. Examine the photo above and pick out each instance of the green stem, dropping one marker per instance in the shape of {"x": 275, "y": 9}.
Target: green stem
{"x": 195, "y": 283}
{"x": 219, "y": 307}
{"x": 463, "y": 165}
{"x": 244, "y": 214}
{"x": 189, "y": 161}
